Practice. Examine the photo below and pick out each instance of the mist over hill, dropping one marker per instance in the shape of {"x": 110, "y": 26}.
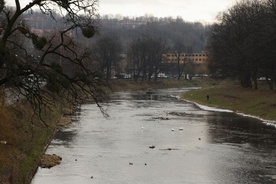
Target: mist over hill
{"x": 191, "y": 34}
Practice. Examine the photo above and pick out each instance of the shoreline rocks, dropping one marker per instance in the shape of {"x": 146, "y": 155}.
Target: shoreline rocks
{"x": 64, "y": 121}
{"x": 49, "y": 161}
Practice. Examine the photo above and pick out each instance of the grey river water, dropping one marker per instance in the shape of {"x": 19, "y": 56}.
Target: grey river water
{"x": 205, "y": 147}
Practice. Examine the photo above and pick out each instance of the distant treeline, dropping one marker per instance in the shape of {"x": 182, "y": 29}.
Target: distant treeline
{"x": 133, "y": 45}
{"x": 191, "y": 34}
{"x": 242, "y": 44}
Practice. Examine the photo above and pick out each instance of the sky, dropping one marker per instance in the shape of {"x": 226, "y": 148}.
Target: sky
{"x": 190, "y": 10}
{"x": 204, "y": 11}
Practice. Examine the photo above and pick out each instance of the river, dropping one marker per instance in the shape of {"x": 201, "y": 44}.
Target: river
{"x": 156, "y": 138}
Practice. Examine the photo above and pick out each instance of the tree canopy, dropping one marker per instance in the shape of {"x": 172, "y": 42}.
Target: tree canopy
{"x": 242, "y": 44}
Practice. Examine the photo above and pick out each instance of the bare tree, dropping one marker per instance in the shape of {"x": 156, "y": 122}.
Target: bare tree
{"x": 180, "y": 48}
{"x": 145, "y": 55}
{"x": 107, "y": 52}
{"x": 242, "y": 44}
{"x": 138, "y": 57}
{"x": 133, "y": 56}
{"x": 27, "y": 59}
{"x": 159, "y": 47}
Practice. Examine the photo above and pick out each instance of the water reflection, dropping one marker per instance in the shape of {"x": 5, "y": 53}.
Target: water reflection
{"x": 204, "y": 147}
{"x": 65, "y": 135}
{"x": 232, "y": 128}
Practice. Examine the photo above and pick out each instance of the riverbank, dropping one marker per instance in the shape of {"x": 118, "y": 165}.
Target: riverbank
{"x": 144, "y": 139}
{"x": 23, "y": 140}
{"x": 26, "y": 138}
{"x": 229, "y": 95}
{"x": 122, "y": 85}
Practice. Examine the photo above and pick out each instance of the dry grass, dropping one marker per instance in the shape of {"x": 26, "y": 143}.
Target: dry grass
{"x": 229, "y": 95}
{"x": 26, "y": 138}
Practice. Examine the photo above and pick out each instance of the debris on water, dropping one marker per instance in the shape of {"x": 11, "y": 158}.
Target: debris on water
{"x": 169, "y": 149}
{"x": 161, "y": 118}
{"x": 184, "y": 114}
{"x": 149, "y": 92}
{"x": 272, "y": 177}
{"x": 151, "y": 146}
{"x": 177, "y": 113}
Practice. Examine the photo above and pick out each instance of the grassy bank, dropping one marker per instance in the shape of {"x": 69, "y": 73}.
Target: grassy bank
{"x": 23, "y": 141}
{"x": 229, "y": 95}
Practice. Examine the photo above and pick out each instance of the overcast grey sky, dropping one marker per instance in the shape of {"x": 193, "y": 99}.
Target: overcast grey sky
{"x": 190, "y": 10}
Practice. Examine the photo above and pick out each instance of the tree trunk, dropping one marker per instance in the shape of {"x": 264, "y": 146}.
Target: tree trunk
{"x": 179, "y": 76}
{"x": 254, "y": 77}
{"x": 246, "y": 81}
{"x": 255, "y": 83}
{"x": 270, "y": 83}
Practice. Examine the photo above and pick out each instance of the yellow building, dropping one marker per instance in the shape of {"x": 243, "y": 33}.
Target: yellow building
{"x": 199, "y": 60}
{"x": 196, "y": 58}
